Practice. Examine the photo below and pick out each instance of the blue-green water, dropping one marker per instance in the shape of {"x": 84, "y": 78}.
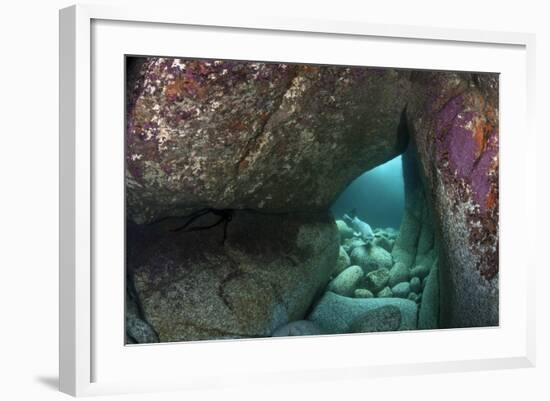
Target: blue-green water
{"x": 377, "y": 195}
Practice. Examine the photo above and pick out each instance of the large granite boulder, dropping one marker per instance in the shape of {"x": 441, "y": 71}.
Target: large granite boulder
{"x": 453, "y": 120}
{"x": 265, "y": 273}
{"x": 234, "y": 135}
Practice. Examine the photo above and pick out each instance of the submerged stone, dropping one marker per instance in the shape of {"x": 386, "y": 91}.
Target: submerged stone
{"x": 335, "y": 314}
{"x": 351, "y": 243}
{"x": 398, "y": 273}
{"x": 413, "y": 296}
{"x": 297, "y": 328}
{"x": 363, "y": 293}
{"x": 347, "y": 281}
{"x": 401, "y": 290}
{"x": 384, "y": 318}
{"x": 371, "y": 257}
{"x": 377, "y": 280}
{"x": 384, "y": 242}
{"x": 385, "y": 293}
{"x": 343, "y": 261}
{"x": 345, "y": 231}
{"x": 420, "y": 271}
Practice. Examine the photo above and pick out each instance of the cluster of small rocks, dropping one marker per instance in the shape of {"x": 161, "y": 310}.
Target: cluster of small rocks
{"x": 369, "y": 291}
{"x": 366, "y": 269}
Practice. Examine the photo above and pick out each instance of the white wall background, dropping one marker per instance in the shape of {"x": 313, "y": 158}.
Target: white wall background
{"x": 29, "y": 186}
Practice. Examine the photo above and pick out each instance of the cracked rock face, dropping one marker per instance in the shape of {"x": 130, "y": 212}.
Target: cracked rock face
{"x": 453, "y": 119}
{"x": 267, "y": 272}
{"x": 277, "y": 137}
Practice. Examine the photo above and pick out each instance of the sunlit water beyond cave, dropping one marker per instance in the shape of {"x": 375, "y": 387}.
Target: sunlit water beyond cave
{"x": 377, "y": 196}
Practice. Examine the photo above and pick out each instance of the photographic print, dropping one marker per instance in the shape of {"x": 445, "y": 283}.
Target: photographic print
{"x": 271, "y": 199}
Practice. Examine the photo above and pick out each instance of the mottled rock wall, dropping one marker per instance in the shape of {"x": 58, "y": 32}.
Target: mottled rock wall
{"x": 228, "y": 134}
{"x": 453, "y": 118}
{"x": 193, "y": 285}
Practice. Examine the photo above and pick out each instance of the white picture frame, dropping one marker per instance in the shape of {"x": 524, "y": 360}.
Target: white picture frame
{"x": 91, "y": 362}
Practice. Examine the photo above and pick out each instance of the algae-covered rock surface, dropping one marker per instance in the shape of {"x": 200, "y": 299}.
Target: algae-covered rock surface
{"x": 230, "y": 134}
{"x": 453, "y": 118}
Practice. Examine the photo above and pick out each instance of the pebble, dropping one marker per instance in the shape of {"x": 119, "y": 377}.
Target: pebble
{"x": 401, "y": 290}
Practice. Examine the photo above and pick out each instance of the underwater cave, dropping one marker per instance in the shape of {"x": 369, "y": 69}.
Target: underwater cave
{"x": 270, "y": 199}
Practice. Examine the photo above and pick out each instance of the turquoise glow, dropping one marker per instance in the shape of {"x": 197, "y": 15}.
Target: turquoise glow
{"x": 378, "y": 195}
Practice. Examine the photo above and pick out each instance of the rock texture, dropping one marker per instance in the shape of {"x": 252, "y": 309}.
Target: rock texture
{"x": 350, "y": 244}
{"x": 297, "y": 328}
{"x": 416, "y": 285}
{"x": 453, "y": 119}
{"x": 398, "y": 273}
{"x": 428, "y": 315}
{"x": 138, "y": 331}
{"x": 362, "y": 293}
{"x": 229, "y": 134}
{"x": 345, "y": 231}
{"x": 371, "y": 258}
{"x": 420, "y": 271}
{"x": 401, "y": 290}
{"x": 416, "y": 241}
{"x": 346, "y": 282}
{"x": 385, "y": 293}
{"x": 342, "y": 263}
{"x": 268, "y": 271}
{"x": 383, "y": 242}
{"x": 385, "y": 318}
{"x": 376, "y": 280}
{"x": 336, "y": 314}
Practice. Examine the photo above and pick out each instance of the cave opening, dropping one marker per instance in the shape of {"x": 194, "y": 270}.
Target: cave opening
{"x": 377, "y": 196}
{"x": 389, "y": 252}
